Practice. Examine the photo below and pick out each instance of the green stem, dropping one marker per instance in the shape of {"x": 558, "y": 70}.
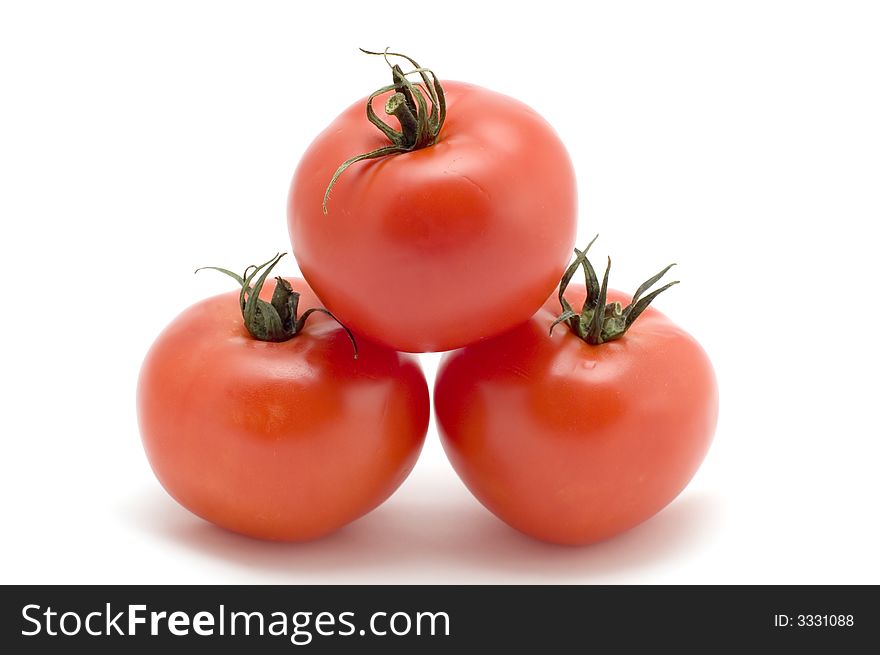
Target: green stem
{"x": 277, "y": 320}
{"x": 419, "y": 126}
{"x": 599, "y": 322}
{"x": 398, "y": 106}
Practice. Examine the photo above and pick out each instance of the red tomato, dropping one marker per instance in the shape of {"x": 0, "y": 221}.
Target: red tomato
{"x": 571, "y": 442}
{"x": 439, "y": 247}
{"x": 284, "y": 441}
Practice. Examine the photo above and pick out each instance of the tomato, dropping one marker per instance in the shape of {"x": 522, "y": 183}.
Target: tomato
{"x": 436, "y": 247}
{"x": 571, "y": 442}
{"x": 280, "y": 440}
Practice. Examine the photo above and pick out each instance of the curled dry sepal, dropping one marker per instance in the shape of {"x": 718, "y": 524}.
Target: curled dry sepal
{"x": 277, "y": 319}
{"x": 597, "y": 321}
{"x": 419, "y": 127}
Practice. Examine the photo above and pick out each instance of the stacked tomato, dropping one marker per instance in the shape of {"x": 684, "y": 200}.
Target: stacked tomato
{"x": 290, "y": 408}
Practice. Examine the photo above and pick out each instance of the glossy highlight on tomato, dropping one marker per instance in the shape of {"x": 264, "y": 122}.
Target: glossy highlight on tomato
{"x": 445, "y": 245}
{"x": 283, "y": 441}
{"x": 574, "y": 443}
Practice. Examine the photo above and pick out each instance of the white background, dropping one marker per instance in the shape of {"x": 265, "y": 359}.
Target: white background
{"x": 740, "y": 139}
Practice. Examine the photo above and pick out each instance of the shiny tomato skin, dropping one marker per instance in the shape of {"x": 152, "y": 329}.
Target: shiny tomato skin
{"x": 573, "y": 443}
{"x": 283, "y": 441}
{"x": 437, "y": 248}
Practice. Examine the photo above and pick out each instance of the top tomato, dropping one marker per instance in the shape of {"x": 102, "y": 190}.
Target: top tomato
{"x": 439, "y": 246}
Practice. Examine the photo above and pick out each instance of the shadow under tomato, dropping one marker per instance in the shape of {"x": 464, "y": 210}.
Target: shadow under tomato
{"x": 435, "y": 533}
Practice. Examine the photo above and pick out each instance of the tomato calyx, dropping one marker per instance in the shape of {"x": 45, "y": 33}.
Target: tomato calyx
{"x": 598, "y": 322}
{"x": 419, "y": 126}
{"x": 277, "y": 319}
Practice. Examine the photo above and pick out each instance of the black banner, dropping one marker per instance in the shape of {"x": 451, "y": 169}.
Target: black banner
{"x": 401, "y": 619}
